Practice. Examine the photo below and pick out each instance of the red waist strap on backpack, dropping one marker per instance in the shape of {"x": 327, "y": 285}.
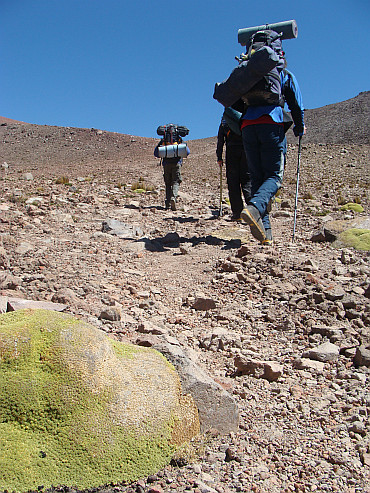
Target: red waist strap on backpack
{"x": 257, "y": 121}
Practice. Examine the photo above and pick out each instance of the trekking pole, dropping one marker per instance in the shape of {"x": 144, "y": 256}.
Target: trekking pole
{"x": 297, "y": 185}
{"x": 220, "y": 211}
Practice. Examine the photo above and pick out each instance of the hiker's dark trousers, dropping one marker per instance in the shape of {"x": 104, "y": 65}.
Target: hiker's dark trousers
{"x": 238, "y": 178}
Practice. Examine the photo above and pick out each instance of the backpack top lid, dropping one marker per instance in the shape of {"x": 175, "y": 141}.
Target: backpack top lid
{"x": 174, "y": 129}
{"x": 263, "y": 38}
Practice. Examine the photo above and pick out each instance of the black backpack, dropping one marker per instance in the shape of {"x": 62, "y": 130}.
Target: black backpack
{"x": 267, "y": 91}
{"x": 256, "y": 80}
{"x": 172, "y": 133}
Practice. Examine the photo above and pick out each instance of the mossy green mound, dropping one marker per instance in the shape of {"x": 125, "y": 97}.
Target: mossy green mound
{"x": 356, "y": 238}
{"x": 80, "y": 409}
{"x": 353, "y": 207}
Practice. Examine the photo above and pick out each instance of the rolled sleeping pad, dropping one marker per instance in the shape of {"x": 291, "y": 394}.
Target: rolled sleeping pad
{"x": 233, "y": 118}
{"x": 245, "y": 76}
{"x": 173, "y": 150}
{"x": 288, "y": 28}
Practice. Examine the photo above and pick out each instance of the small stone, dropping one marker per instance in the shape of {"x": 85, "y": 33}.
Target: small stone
{"x": 324, "y": 352}
{"x": 357, "y": 427}
{"x": 204, "y": 304}
{"x": 273, "y": 371}
{"x": 362, "y": 356}
{"x": 110, "y": 313}
{"x": 308, "y": 364}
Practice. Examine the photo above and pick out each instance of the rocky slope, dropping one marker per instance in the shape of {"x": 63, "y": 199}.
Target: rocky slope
{"x": 284, "y": 329}
{"x": 348, "y": 121}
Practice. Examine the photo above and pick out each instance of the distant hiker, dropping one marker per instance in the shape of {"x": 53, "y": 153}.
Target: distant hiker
{"x": 237, "y": 174}
{"x": 263, "y": 132}
{"x": 171, "y": 150}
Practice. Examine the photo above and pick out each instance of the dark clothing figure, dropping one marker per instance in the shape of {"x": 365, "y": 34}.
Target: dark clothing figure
{"x": 265, "y": 146}
{"x": 237, "y": 174}
{"x": 171, "y": 175}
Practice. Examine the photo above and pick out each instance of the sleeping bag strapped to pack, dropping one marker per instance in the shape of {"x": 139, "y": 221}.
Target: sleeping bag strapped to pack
{"x": 256, "y": 80}
{"x": 172, "y": 141}
{"x": 172, "y": 150}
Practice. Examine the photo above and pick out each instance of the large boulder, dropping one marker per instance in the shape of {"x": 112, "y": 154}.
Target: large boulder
{"x": 79, "y": 409}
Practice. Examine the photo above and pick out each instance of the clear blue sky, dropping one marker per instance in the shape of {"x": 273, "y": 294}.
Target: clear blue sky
{"x": 128, "y": 66}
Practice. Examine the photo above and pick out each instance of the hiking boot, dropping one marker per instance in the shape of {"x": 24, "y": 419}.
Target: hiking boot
{"x": 252, "y": 217}
{"x": 173, "y": 204}
{"x": 268, "y": 241}
{"x": 236, "y": 217}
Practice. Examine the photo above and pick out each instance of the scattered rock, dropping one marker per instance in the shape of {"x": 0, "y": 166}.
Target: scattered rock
{"x": 204, "y": 304}
{"x": 362, "y": 356}
{"x": 325, "y": 352}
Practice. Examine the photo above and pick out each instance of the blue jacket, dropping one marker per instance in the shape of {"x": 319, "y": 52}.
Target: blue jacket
{"x": 293, "y": 98}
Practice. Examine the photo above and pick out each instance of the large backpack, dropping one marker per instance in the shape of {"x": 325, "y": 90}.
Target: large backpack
{"x": 172, "y": 133}
{"x": 172, "y": 146}
{"x": 257, "y": 77}
{"x": 267, "y": 91}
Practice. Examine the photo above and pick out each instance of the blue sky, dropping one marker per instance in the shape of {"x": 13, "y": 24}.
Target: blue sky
{"x": 128, "y": 66}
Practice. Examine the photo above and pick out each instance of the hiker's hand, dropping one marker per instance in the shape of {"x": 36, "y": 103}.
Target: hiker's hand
{"x": 220, "y": 163}
{"x": 299, "y": 132}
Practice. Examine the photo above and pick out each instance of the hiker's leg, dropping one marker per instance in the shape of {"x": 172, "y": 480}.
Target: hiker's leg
{"x": 272, "y": 158}
{"x": 176, "y": 180}
{"x": 233, "y": 180}
{"x": 244, "y": 176}
{"x": 253, "y": 154}
{"x": 167, "y": 175}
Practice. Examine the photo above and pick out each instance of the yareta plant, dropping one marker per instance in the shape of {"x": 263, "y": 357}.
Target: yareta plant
{"x": 80, "y": 409}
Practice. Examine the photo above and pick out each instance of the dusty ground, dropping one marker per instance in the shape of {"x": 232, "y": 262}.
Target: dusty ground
{"x": 307, "y": 431}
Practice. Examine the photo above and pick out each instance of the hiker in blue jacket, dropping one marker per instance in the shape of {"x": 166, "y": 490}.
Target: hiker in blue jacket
{"x": 171, "y": 174}
{"x": 263, "y": 131}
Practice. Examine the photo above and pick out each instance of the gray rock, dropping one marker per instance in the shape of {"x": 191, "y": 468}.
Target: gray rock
{"x": 325, "y": 352}
{"x": 334, "y": 294}
{"x": 111, "y": 313}
{"x": 120, "y": 229}
{"x": 362, "y": 356}
{"x": 357, "y": 427}
{"x": 147, "y": 327}
{"x": 217, "y": 408}
{"x": 308, "y": 364}
{"x": 19, "y": 304}
{"x": 3, "y": 304}
{"x": 269, "y": 370}
{"x": 8, "y": 281}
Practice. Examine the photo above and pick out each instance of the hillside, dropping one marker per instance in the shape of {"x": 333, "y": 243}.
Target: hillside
{"x": 340, "y": 123}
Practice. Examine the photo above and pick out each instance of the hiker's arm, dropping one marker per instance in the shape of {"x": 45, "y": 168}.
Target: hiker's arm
{"x": 220, "y": 143}
{"x": 156, "y": 148}
{"x": 293, "y": 98}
